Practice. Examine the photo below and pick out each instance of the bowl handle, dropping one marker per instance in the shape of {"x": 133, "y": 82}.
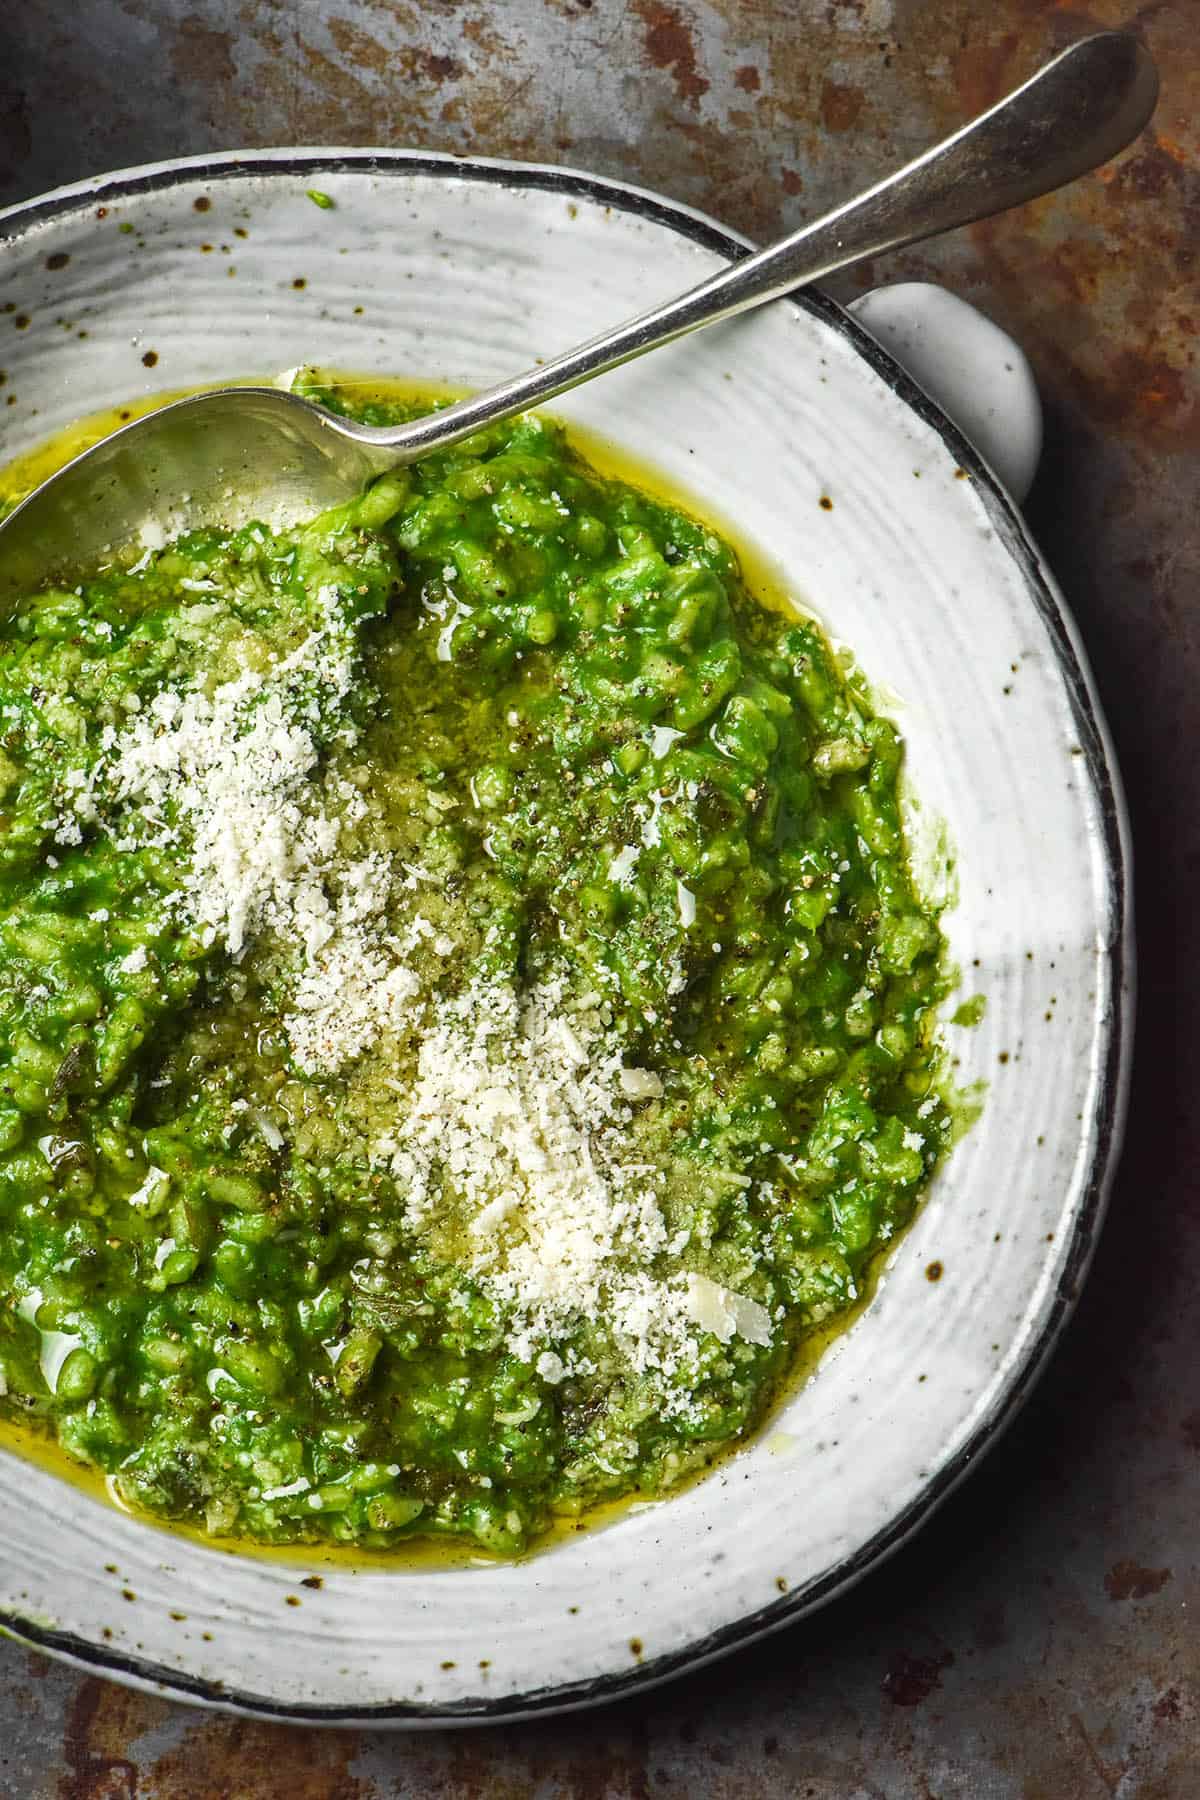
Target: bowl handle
{"x": 979, "y": 377}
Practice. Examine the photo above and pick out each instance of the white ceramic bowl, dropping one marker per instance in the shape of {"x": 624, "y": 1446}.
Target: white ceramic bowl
{"x": 463, "y": 272}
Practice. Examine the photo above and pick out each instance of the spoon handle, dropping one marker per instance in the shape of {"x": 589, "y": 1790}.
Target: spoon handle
{"x": 1075, "y": 113}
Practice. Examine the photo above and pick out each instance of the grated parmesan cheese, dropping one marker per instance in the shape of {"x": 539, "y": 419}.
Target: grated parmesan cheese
{"x": 724, "y": 1313}
{"x": 152, "y": 1189}
{"x": 238, "y": 769}
{"x": 512, "y": 1138}
{"x": 514, "y": 1148}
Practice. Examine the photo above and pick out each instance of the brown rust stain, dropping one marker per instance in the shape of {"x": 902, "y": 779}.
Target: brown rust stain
{"x": 371, "y": 75}
{"x": 1130, "y": 1581}
{"x": 1150, "y": 172}
{"x": 102, "y": 1722}
{"x": 1097, "y": 279}
{"x": 202, "y": 55}
{"x": 440, "y": 68}
{"x": 607, "y": 1759}
{"x": 1102, "y": 320}
{"x": 670, "y": 45}
{"x": 346, "y": 92}
{"x": 406, "y": 62}
{"x": 366, "y": 53}
{"x": 1108, "y": 1774}
{"x": 841, "y": 105}
{"x": 243, "y": 1759}
{"x": 984, "y": 71}
{"x": 1151, "y": 392}
{"x": 1167, "y": 1709}
{"x": 911, "y": 1679}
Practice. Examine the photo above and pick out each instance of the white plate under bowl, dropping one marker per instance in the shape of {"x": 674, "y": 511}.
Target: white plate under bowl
{"x": 463, "y": 272}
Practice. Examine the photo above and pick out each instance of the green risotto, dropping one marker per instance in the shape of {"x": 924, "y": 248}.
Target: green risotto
{"x": 465, "y": 1014}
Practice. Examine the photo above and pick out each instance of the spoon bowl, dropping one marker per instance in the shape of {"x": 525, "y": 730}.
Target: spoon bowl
{"x": 226, "y": 456}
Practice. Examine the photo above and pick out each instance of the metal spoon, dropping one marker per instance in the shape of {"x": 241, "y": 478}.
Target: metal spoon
{"x": 245, "y": 452}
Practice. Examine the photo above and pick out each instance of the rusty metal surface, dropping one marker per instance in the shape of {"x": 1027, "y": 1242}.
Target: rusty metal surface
{"x": 1041, "y": 1639}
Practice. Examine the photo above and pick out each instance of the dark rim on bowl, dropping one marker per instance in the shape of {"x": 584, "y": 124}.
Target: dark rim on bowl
{"x": 1113, "y": 1083}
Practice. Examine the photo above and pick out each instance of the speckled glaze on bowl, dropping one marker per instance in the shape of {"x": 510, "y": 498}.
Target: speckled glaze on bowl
{"x": 192, "y": 272}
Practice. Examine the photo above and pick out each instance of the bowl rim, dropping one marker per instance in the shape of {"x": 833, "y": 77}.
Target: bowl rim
{"x": 1115, "y": 1029}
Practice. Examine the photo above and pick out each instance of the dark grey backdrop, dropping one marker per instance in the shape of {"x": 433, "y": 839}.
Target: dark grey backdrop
{"x": 1040, "y": 1639}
